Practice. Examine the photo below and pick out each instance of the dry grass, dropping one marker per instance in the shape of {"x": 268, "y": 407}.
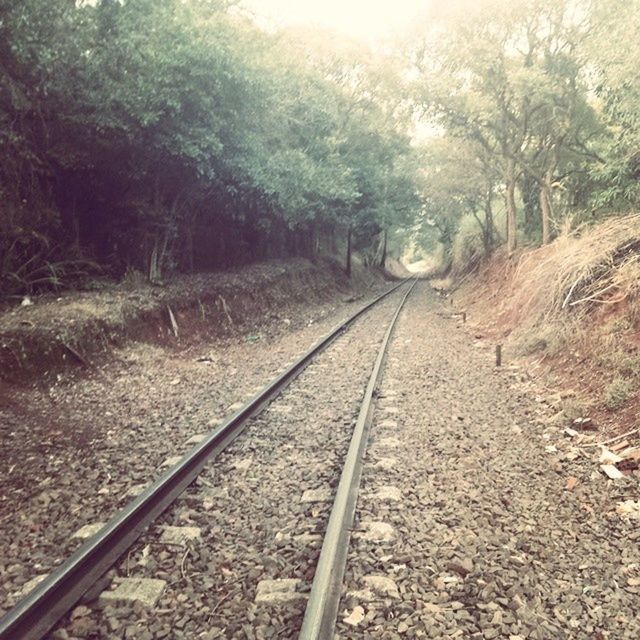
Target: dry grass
{"x": 598, "y": 265}
{"x": 575, "y": 304}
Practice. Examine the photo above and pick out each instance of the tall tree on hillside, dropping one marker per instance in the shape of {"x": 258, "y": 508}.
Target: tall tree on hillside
{"x": 506, "y": 76}
{"x": 613, "y": 50}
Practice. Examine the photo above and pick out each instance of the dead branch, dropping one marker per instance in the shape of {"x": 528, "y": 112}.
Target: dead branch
{"x": 172, "y": 320}
{"x": 77, "y": 355}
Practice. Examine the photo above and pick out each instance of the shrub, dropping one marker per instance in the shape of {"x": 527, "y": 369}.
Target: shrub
{"x": 617, "y": 393}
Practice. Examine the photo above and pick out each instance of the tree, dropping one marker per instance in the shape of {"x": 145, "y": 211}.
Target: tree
{"x": 506, "y": 76}
{"x": 175, "y": 134}
{"x": 617, "y": 85}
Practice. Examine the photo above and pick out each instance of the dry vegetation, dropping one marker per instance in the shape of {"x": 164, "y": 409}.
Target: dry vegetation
{"x": 574, "y": 305}
{"x": 581, "y": 270}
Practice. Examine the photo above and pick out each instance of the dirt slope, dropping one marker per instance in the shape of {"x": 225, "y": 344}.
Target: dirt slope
{"x": 80, "y": 328}
{"x": 587, "y": 354}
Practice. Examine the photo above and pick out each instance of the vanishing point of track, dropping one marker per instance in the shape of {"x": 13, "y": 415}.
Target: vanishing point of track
{"x": 40, "y": 610}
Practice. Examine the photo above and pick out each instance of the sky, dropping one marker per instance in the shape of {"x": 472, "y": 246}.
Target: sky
{"x": 368, "y": 20}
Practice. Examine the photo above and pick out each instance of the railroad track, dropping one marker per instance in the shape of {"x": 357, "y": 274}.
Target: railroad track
{"x": 36, "y": 614}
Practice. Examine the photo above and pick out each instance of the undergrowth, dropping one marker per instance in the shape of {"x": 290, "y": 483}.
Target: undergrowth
{"x": 617, "y": 392}
{"x": 579, "y": 271}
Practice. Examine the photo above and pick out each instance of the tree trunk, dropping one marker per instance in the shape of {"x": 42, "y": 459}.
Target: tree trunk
{"x": 348, "y": 266}
{"x": 190, "y": 247}
{"x": 530, "y": 191}
{"x": 546, "y": 207}
{"x": 154, "y": 269}
{"x": 383, "y": 260}
{"x": 487, "y": 228}
{"x": 510, "y": 180}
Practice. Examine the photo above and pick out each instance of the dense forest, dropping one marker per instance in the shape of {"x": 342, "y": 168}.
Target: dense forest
{"x": 164, "y": 135}
{"x": 171, "y": 136}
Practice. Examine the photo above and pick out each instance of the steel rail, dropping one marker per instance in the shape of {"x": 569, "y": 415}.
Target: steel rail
{"x": 322, "y": 607}
{"x": 42, "y": 608}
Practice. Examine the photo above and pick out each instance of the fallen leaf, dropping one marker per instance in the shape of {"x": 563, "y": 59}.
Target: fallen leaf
{"x": 608, "y": 457}
{"x": 572, "y": 481}
{"x": 612, "y": 472}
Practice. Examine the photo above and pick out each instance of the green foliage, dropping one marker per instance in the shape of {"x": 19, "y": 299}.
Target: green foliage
{"x": 160, "y": 134}
{"x": 613, "y": 49}
{"x": 509, "y": 83}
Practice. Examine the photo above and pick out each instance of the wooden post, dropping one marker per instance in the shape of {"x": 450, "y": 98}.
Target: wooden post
{"x": 498, "y": 355}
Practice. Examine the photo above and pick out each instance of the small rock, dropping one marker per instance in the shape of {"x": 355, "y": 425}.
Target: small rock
{"x": 375, "y": 587}
{"x": 355, "y": 617}
{"x": 376, "y": 532}
{"x": 243, "y": 465}
{"x": 171, "y": 462}
{"x": 179, "y": 535}
{"x": 629, "y": 509}
{"x": 386, "y": 464}
{"x": 28, "y": 587}
{"x": 278, "y": 591}
{"x": 388, "y": 494}
{"x": 88, "y": 531}
{"x": 147, "y": 591}
{"x": 80, "y": 612}
{"x": 323, "y": 494}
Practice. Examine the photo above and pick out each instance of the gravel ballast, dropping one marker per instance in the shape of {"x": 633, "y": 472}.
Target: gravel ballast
{"x": 255, "y": 514}
{"x": 489, "y": 540}
{"x": 76, "y": 450}
{"x": 476, "y": 517}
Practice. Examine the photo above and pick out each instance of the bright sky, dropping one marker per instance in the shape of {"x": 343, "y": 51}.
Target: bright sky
{"x": 369, "y": 20}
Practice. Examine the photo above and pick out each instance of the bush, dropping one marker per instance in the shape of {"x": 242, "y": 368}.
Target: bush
{"x": 468, "y": 249}
{"x": 617, "y": 393}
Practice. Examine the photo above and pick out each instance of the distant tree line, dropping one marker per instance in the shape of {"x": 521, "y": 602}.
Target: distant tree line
{"x": 176, "y": 135}
{"x": 536, "y": 109}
